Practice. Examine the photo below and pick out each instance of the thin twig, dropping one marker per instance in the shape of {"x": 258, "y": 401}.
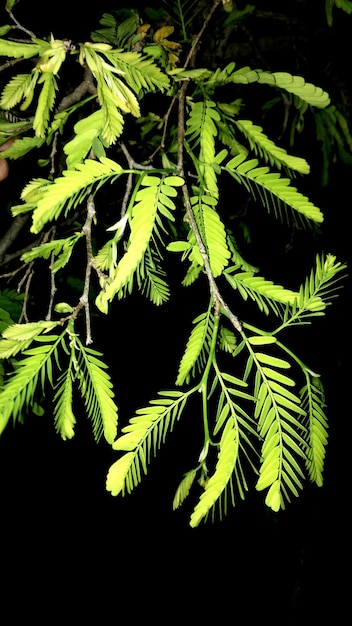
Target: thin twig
{"x": 84, "y": 299}
{"x": 53, "y": 153}
{"x": 12, "y": 234}
{"x": 8, "y": 258}
{"x": 10, "y": 63}
{"x": 53, "y": 288}
{"x": 19, "y": 26}
{"x": 133, "y": 165}
{"x": 131, "y": 162}
{"x": 199, "y": 35}
{"x": 27, "y": 279}
{"x": 161, "y": 145}
{"x": 12, "y": 274}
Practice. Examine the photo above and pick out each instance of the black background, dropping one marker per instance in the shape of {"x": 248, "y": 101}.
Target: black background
{"x": 72, "y": 552}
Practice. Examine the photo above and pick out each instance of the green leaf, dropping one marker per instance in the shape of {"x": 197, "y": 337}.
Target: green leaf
{"x": 271, "y": 188}
{"x": 217, "y": 482}
{"x": 213, "y": 235}
{"x": 64, "y": 418}
{"x": 268, "y": 150}
{"x": 201, "y": 129}
{"x": 272, "y": 360}
{"x": 45, "y": 104}
{"x": 178, "y": 246}
{"x": 18, "y": 50}
{"x": 197, "y": 348}
{"x": 18, "y": 337}
{"x": 20, "y": 87}
{"x": 313, "y": 402}
{"x": 261, "y": 340}
{"x": 96, "y": 389}
{"x": 141, "y": 438}
{"x": 296, "y": 85}
{"x": 183, "y": 489}
{"x": 32, "y": 372}
{"x": 142, "y": 225}
{"x": 265, "y": 293}
{"x": 71, "y": 188}
{"x": 118, "y": 472}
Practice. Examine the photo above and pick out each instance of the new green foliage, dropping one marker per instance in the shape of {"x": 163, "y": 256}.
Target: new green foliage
{"x": 143, "y": 165}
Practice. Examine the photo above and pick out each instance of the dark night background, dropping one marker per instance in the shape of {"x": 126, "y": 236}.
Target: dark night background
{"x": 70, "y": 552}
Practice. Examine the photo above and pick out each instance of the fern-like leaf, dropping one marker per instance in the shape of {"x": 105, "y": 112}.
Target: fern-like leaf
{"x": 268, "y": 150}
{"x": 184, "y": 488}
{"x": 197, "y": 348}
{"x": 87, "y": 132}
{"x": 228, "y": 451}
{"x": 277, "y": 411}
{"x": 315, "y": 96}
{"x": 151, "y": 278}
{"x": 45, "y": 104}
{"x": 18, "y": 337}
{"x": 18, "y": 50}
{"x": 271, "y": 188}
{"x": 70, "y": 189}
{"x": 17, "y": 89}
{"x": 151, "y": 202}
{"x": 212, "y": 232}
{"x": 64, "y": 247}
{"x": 96, "y": 390}
{"x": 313, "y": 402}
{"x": 317, "y": 291}
{"x": 140, "y": 72}
{"x": 201, "y": 129}
{"x": 64, "y": 418}
{"x": 264, "y": 292}
{"x": 141, "y": 438}
{"x": 142, "y": 225}
{"x": 35, "y": 369}
{"x": 113, "y": 94}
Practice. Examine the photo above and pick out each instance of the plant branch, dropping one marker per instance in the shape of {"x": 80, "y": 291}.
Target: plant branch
{"x": 86, "y": 86}
{"x": 84, "y": 300}
{"x": 53, "y": 288}
{"x": 11, "y": 235}
{"x": 133, "y": 166}
{"x": 161, "y": 145}
{"x": 26, "y": 279}
{"x": 199, "y": 35}
{"x": 218, "y": 300}
{"x": 18, "y": 25}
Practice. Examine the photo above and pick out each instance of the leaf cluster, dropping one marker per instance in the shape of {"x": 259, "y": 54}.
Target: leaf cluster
{"x": 144, "y": 162}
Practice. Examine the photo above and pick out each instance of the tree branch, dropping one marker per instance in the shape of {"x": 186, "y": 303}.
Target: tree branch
{"x": 18, "y": 25}
{"x": 11, "y": 235}
{"x": 86, "y": 86}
